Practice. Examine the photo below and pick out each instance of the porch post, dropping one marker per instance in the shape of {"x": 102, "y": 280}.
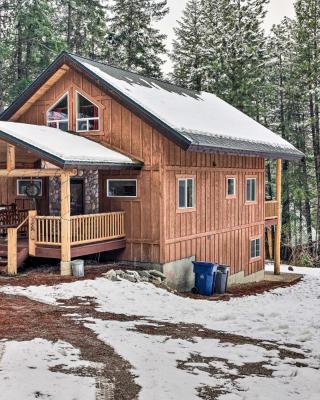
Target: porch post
{"x": 11, "y": 157}
{"x": 277, "y": 255}
{"x": 65, "y": 225}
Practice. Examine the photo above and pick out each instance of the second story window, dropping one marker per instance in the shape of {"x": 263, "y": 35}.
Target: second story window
{"x": 186, "y": 193}
{"x": 58, "y": 114}
{"x": 231, "y": 187}
{"x": 87, "y": 115}
{"x": 251, "y": 189}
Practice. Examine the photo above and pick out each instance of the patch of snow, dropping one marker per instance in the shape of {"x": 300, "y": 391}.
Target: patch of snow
{"x": 64, "y": 145}
{"x": 25, "y": 372}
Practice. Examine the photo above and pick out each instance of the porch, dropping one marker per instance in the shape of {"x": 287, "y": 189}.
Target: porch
{"x": 60, "y": 156}
{"x": 24, "y": 234}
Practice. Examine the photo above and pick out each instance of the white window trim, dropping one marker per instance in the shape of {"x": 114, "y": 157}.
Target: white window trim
{"x": 255, "y": 194}
{"x": 29, "y": 180}
{"x": 77, "y": 93}
{"x": 234, "y": 186}
{"x": 186, "y": 194}
{"x": 123, "y": 180}
{"x": 255, "y": 248}
{"x": 57, "y": 121}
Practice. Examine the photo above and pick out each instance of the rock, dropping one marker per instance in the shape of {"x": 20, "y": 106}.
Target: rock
{"x": 129, "y": 277}
{"x": 133, "y": 273}
{"x": 114, "y": 278}
{"x": 156, "y": 280}
{"x": 290, "y": 268}
{"x": 158, "y": 274}
{"x": 144, "y": 274}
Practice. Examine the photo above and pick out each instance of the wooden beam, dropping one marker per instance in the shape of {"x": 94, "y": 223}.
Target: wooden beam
{"x": 277, "y": 245}
{"x": 43, "y": 89}
{"x": 32, "y": 232}
{"x": 65, "y": 225}
{"x": 36, "y": 173}
{"x": 11, "y": 157}
{"x": 12, "y": 251}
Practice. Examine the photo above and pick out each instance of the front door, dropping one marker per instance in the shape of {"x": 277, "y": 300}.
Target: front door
{"x": 77, "y": 197}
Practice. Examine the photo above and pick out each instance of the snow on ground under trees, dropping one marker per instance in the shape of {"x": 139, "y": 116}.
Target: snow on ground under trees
{"x": 256, "y": 347}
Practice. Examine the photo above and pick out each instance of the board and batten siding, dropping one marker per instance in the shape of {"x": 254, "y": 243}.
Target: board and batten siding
{"x": 218, "y": 230}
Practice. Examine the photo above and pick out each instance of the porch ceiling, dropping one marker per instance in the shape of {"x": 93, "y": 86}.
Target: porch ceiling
{"x": 64, "y": 149}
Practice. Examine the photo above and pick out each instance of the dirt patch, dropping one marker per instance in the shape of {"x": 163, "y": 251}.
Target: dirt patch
{"x": 22, "y": 319}
{"x": 245, "y": 289}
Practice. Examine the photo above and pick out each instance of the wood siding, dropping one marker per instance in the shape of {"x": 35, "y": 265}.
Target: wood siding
{"x": 219, "y": 229}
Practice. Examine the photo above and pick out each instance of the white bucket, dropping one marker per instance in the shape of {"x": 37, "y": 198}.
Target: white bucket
{"x": 77, "y": 268}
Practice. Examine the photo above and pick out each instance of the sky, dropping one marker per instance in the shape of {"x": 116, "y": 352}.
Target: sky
{"x": 277, "y": 9}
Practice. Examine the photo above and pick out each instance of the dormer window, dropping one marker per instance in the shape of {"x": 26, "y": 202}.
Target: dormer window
{"x": 87, "y": 115}
{"x": 58, "y": 114}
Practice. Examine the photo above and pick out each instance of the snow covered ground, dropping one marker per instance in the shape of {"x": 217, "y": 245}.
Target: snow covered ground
{"x": 169, "y": 366}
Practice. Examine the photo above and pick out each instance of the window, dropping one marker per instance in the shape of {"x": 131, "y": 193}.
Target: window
{"x": 58, "y": 115}
{"x": 186, "y": 193}
{"x": 231, "y": 187}
{"x": 29, "y": 187}
{"x": 87, "y": 115}
{"x": 255, "y": 248}
{"x": 122, "y": 188}
{"x": 251, "y": 189}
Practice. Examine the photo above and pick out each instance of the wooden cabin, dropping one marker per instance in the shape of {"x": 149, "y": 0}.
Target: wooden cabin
{"x": 98, "y": 159}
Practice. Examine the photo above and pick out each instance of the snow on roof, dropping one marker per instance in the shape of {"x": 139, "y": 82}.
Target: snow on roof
{"x": 63, "y": 147}
{"x": 202, "y": 118}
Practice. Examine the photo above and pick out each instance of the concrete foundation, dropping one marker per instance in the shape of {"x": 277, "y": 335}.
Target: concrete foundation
{"x": 240, "y": 277}
{"x": 65, "y": 268}
{"x": 180, "y": 274}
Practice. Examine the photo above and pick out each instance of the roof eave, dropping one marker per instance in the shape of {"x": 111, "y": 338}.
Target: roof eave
{"x": 272, "y": 155}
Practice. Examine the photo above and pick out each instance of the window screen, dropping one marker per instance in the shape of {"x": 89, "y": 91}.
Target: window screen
{"x": 122, "y": 188}
{"x": 186, "y": 193}
{"x": 251, "y": 189}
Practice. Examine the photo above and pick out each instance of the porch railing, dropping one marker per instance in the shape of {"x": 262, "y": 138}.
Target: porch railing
{"x": 11, "y": 217}
{"x": 271, "y": 209}
{"x": 85, "y": 229}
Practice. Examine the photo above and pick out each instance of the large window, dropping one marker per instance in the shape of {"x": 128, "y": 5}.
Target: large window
{"x": 122, "y": 188}
{"x": 58, "y": 114}
{"x": 231, "y": 187}
{"x": 87, "y": 115}
{"x": 251, "y": 189}
{"x": 255, "y": 248}
{"x": 29, "y": 187}
{"x": 186, "y": 193}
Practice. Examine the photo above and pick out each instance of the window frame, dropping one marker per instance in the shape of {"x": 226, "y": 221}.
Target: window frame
{"x": 29, "y": 180}
{"x": 255, "y": 257}
{"x": 234, "y": 195}
{"x": 185, "y": 179}
{"x": 58, "y": 121}
{"x": 250, "y": 178}
{"x": 77, "y": 94}
{"x": 119, "y": 180}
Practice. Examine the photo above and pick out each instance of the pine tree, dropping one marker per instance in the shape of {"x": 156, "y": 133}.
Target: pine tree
{"x": 188, "y": 47}
{"x": 32, "y": 42}
{"x": 235, "y": 46}
{"x": 135, "y": 42}
{"x": 84, "y": 26}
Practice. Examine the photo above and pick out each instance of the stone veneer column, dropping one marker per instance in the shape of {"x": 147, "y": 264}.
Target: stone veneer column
{"x": 91, "y": 192}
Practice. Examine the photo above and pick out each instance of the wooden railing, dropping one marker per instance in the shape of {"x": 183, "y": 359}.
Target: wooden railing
{"x": 10, "y": 217}
{"x": 97, "y": 227}
{"x": 13, "y": 246}
{"x": 271, "y": 209}
{"x": 48, "y": 230}
{"x": 84, "y": 229}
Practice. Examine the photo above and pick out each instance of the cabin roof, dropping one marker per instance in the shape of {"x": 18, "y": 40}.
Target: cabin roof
{"x": 199, "y": 121}
{"x": 63, "y": 148}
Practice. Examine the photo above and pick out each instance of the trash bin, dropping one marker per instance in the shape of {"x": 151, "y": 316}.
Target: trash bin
{"x": 221, "y": 281}
{"x": 77, "y": 267}
{"x": 205, "y": 274}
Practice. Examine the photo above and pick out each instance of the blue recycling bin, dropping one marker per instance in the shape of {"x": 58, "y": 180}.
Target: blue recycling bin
{"x": 205, "y": 275}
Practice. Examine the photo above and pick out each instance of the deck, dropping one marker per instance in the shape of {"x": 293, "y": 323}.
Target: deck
{"x": 271, "y": 212}
{"x": 28, "y": 234}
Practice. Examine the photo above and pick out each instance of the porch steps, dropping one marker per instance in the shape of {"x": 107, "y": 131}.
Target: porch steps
{"x": 22, "y": 256}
